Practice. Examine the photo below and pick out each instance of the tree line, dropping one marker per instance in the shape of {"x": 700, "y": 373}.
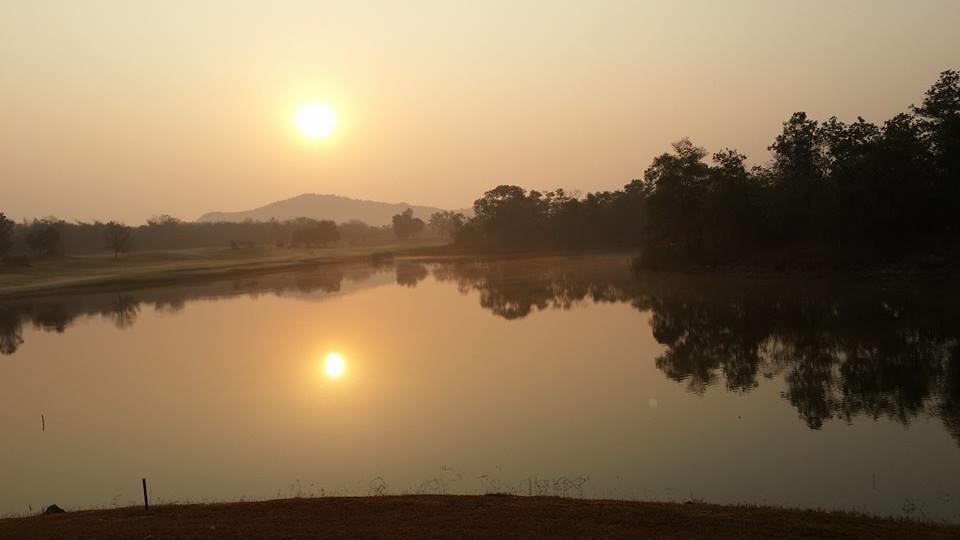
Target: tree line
{"x": 832, "y": 190}
{"x": 51, "y": 236}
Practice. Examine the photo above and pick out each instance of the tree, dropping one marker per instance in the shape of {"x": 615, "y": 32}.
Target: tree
{"x": 356, "y": 232}
{"x": 509, "y": 217}
{"x": 447, "y": 223}
{"x": 799, "y": 171}
{"x": 675, "y": 185}
{"x": 834, "y": 194}
{"x": 939, "y": 116}
{"x": 796, "y": 151}
{"x": 119, "y": 237}
{"x": 6, "y": 234}
{"x": 43, "y": 235}
{"x": 731, "y": 213}
{"x": 312, "y": 233}
{"x": 325, "y": 232}
{"x": 163, "y": 220}
{"x": 406, "y": 226}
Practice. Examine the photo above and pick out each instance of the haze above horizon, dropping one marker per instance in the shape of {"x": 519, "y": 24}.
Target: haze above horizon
{"x": 118, "y": 110}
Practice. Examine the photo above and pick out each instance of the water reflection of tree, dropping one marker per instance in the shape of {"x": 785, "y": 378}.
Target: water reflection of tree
{"x": 170, "y": 305}
{"x": 409, "y": 274}
{"x": 11, "y": 331}
{"x": 125, "y": 311}
{"x": 842, "y": 353}
{"x": 57, "y": 314}
{"x": 513, "y": 290}
{"x": 327, "y": 281}
{"x": 52, "y": 317}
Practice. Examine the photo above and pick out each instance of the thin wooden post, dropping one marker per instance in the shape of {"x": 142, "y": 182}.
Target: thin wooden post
{"x": 146, "y": 502}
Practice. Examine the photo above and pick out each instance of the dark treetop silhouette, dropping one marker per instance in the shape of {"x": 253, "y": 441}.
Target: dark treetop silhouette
{"x": 835, "y": 192}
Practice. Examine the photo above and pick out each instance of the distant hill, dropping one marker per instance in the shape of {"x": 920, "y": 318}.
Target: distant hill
{"x": 332, "y": 207}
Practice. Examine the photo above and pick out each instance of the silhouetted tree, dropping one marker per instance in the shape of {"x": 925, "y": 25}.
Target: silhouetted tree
{"x": 119, "y": 237}
{"x": 833, "y": 193}
{"x": 508, "y": 217}
{"x": 168, "y": 233}
{"x": 675, "y": 185}
{"x": 313, "y": 233}
{"x": 6, "y": 234}
{"x": 447, "y": 223}
{"x": 43, "y": 236}
{"x": 356, "y": 232}
{"x": 406, "y": 226}
{"x": 939, "y": 118}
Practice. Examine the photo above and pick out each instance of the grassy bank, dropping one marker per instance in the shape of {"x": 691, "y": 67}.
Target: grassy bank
{"x": 82, "y": 273}
{"x": 449, "y": 516}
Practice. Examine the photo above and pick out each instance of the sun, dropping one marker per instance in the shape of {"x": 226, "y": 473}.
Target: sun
{"x": 316, "y": 120}
{"x": 334, "y": 365}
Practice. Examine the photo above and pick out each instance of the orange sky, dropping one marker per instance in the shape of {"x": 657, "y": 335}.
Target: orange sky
{"x": 120, "y": 110}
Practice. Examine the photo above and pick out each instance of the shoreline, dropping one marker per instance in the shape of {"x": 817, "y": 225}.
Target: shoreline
{"x": 77, "y": 275}
{"x": 88, "y": 274}
{"x": 463, "y": 516}
{"x": 178, "y": 276}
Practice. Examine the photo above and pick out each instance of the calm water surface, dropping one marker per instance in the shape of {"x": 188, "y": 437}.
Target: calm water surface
{"x": 566, "y": 376}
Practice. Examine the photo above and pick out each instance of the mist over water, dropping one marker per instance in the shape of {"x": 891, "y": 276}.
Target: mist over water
{"x": 571, "y": 376}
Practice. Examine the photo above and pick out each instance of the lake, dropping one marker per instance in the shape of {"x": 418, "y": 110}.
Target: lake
{"x": 565, "y": 376}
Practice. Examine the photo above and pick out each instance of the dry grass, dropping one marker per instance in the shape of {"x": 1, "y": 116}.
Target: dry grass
{"x": 65, "y": 274}
{"x": 447, "y": 516}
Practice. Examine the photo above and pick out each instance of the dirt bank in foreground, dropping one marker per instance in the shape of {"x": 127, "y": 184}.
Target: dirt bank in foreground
{"x": 460, "y": 517}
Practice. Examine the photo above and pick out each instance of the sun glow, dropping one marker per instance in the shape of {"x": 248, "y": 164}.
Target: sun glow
{"x": 334, "y": 365}
{"x": 316, "y": 120}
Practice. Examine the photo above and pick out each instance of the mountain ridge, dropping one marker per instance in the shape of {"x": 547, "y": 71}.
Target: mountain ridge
{"x": 323, "y": 206}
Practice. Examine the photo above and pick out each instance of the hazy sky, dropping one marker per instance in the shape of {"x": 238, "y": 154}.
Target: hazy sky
{"x": 120, "y": 109}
